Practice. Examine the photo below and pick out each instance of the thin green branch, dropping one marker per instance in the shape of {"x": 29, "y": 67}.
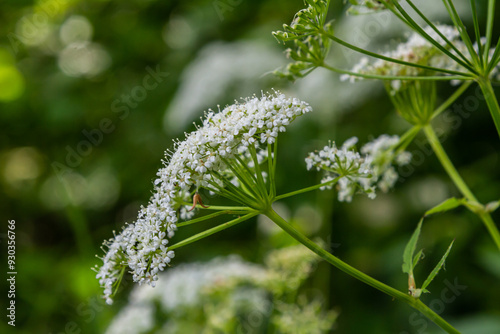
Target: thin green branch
{"x": 491, "y": 101}
{"x": 304, "y": 190}
{"x": 489, "y": 29}
{"x": 234, "y": 193}
{"x": 209, "y": 216}
{"x": 425, "y": 35}
{"x": 223, "y": 208}
{"x": 213, "y": 230}
{"x": 495, "y": 58}
{"x": 396, "y": 77}
{"x": 477, "y": 32}
{"x": 451, "y": 99}
{"x": 271, "y": 171}
{"x": 389, "y": 59}
{"x": 407, "y": 137}
{"x": 351, "y": 271}
{"x": 260, "y": 179}
{"x": 457, "y": 21}
{"x": 459, "y": 182}
{"x": 242, "y": 176}
{"x": 430, "y": 24}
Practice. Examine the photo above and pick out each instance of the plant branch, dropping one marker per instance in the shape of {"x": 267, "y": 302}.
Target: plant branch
{"x": 339, "y": 264}
{"x": 459, "y": 182}
{"x": 491, "y": 101}
{"x": 213, "y": 230}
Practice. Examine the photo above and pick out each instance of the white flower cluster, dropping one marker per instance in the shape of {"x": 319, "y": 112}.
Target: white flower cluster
{"x": 416, "y": 50}
{"x": 219, "y": 290}
{"x": 180, "y": 289}
{"x": 196, "y": 161}
{"x": 365, "y": 6}
{"x": 366, "y": 171}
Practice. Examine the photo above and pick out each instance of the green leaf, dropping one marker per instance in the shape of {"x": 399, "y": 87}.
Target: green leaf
{"x": 449, "y": 204}
{"x": 417, "y": 258}
{"x": 452, "y": 203}
{"x": 436, "y": 270}
{"x": 410, "y": 250}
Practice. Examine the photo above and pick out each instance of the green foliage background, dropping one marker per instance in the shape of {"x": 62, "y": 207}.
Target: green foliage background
{"x": 61, "y": 222}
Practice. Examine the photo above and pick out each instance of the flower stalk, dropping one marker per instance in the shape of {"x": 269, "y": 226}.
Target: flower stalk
{"x": 459, "y": 182}
{"x": 351, "y": 271}
{"x": 491, "y": 101}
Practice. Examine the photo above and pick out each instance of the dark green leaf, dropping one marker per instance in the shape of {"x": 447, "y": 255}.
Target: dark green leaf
{"x": 449, "y": 204}
{"x": 436, "y": 270}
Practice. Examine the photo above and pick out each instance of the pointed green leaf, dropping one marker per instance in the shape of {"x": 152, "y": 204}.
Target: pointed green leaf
{"x": 410, "y": 250}
{"x": 449, "y": 204}
{"x": 417, "y": 258}
{"x": 436, "y": 270}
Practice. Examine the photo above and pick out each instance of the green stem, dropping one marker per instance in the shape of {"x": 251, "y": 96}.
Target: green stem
{"x": 270, "y": 169}
{"x": 388, "y": 59}
{"x": 451, "y": 99}
{"x": 475, "y": 21}
{"x": 422, "y": 32}
{"x": 219, "y": 207}
{"x": 459, "y": 182}
{"x": 407, "y": 138}
{"x": 304, "y": 190}
{"x": 447, "y": 164}
{"x": 339, "y": 264}
{"x": 489, "y": 28}
{"x": 210, "y": 216}
{"x": 495, "y": 57}
{"x": 397, "y": 77}
{"x": 457, "y": 22}
{"x": 491, "y": 101}
{"x": 261, "y": 185}
{"x": 430, "y": 24}
{"x": 213, "y": 230}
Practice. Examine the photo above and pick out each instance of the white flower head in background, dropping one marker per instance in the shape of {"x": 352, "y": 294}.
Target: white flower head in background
{"x": 355, "y": 171}
{"x": 215, "y": 296}
{"x": 204, "y": 160}
{"x": 238, "y": 67}
{"x": 419, "y": 50}
{"x": 416, "y": 50}
{"x": 365, "y": 7}
{"x": 180, "y": 289}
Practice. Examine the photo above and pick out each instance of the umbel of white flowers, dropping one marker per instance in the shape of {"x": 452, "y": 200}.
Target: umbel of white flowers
{"x": 364, "y": 172}
{"x": 416, "y": 50}
{"x": 201, "y": 160}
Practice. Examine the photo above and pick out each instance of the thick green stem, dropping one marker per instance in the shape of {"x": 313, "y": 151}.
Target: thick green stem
{"x": 336, "y": 262}
{"x": 491, "y": 101}
{"x": 459, "y": 182}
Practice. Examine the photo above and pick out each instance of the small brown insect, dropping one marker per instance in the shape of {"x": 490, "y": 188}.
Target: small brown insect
{"x": 197, "y": 200}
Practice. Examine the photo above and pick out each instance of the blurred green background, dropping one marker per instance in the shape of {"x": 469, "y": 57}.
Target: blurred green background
{"x": 92, "y": 93}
